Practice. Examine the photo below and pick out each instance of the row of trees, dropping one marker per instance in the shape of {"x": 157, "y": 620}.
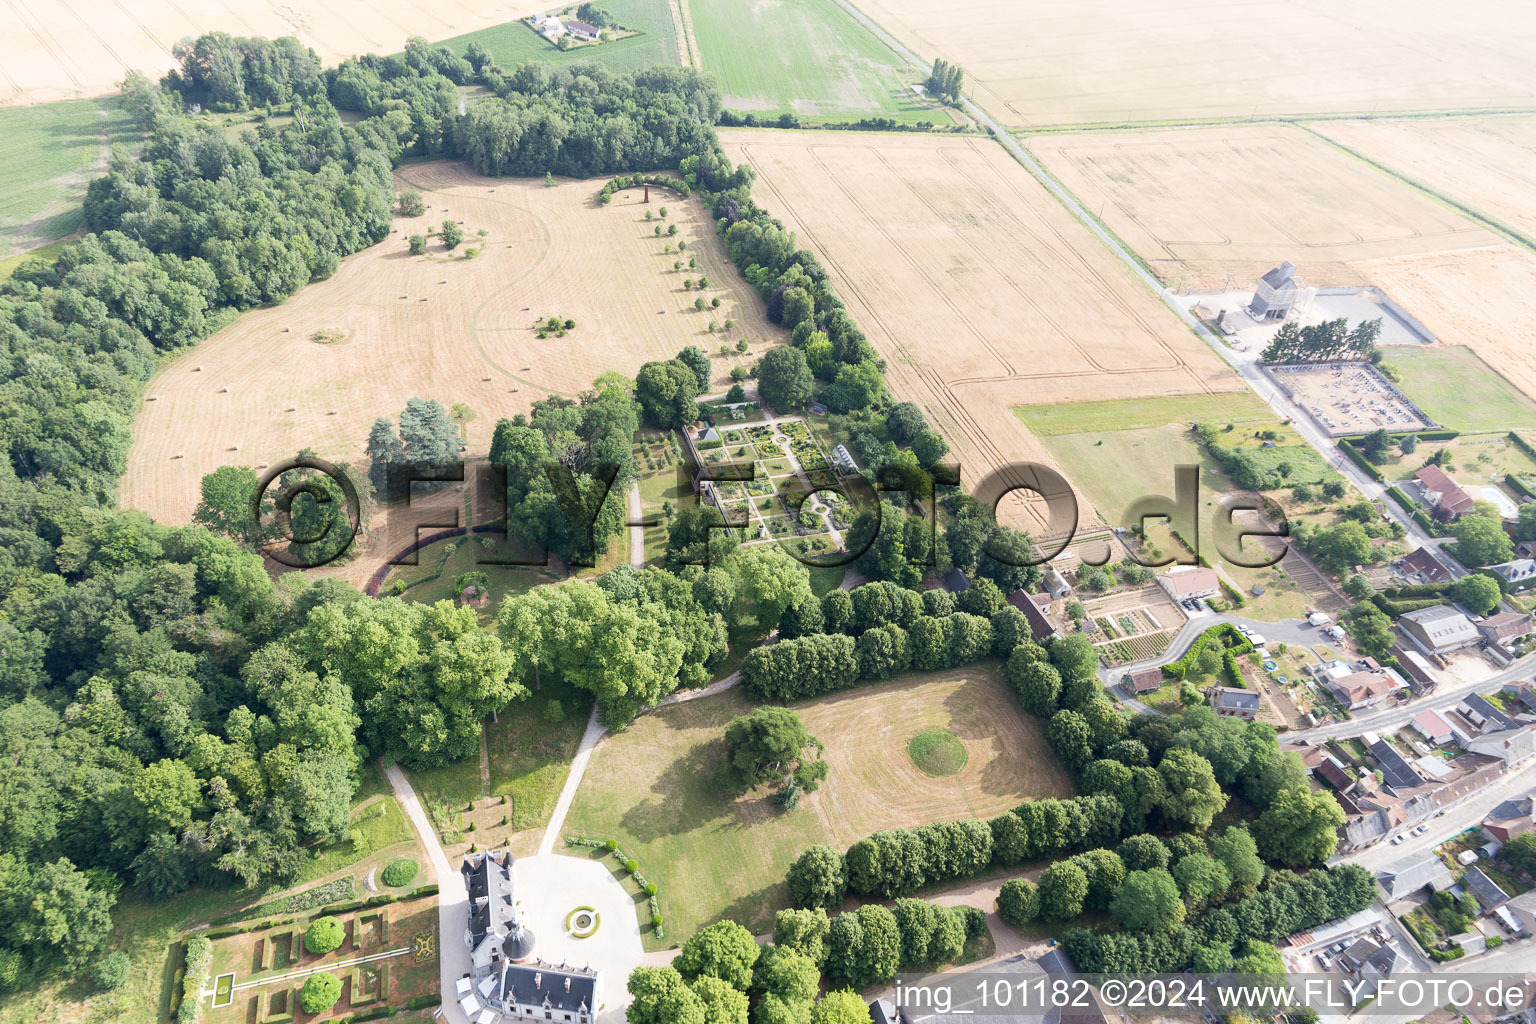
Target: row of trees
{"x": 1332, "y": 339}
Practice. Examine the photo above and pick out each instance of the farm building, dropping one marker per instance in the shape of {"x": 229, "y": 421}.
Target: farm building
{"x": 1409, "y": 876}
{"x": 581, "y": 30}
{"x": 1039, "y": 626}
{"x": 1438, "y": 629}
{"x": 1505, "y": 627}
{"x": 1276, "y": 294}
{"x": 1189, "y": 581}
{"x": 548, "y": 26}
{"x": 1440, "y": 491}
{"x": 1231, "y": 702}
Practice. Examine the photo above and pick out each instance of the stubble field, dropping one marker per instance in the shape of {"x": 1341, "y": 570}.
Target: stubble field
{"x": 1204, "y": 203}
{"x": 1138, "y": 60}
{"x": 1487, "y": 163}
{"x": 77, "y": 48}
{"x": 976, "y": 286}
{"x": 457, "y": 330}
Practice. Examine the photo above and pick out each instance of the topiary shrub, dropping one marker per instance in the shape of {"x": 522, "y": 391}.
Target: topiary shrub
{"x": 401, "y": 871}
{"x": 650, "y": 888}
{"x": 111, "y": 971}
{"x": 631, "y": 865}
{"x": 611, "y": 845}
{"x": 320, "y": 992}
{"x": 324, "y": 935}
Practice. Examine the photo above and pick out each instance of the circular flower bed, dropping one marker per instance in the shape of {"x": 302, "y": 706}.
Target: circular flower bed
{"x": 582, "y": 922}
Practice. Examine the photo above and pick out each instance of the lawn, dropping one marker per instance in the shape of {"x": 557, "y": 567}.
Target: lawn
{"x": 514, "y": 42}
{"x": 649, "y": 787}
{"x": 530, "y": 753}
{"x": 809, "y": 58}
{"x": 1442, "y": 378}
{"x": 1475, "y": 459}
{"x": 1141, "y": 413}
{"x": 425, "y": 588}
{"x": 51, "y": 152}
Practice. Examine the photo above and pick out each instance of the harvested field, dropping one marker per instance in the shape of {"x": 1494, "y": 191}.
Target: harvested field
{"x": 435, "y": 327}
{"x": 84, "y": 47}
{"x": 977, "y": 287}
{"x": 1484, "y": 299}
{"x": 1487, "y": 163}
{"x": 1205, "y": 206}
{"x": 649, "y": 787}
{"x": 1127, "y": 60}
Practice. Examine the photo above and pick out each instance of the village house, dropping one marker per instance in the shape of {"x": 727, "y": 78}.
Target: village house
{"x": 1232, "y": 702}
{"x": 1143, "y": 680}
{"x": 581, "y": 30}
{"x": 1409, "y": 876}
{"x": 1511, "y": 746}
{"x": 1421, "y": 566}
{"x": 1517, "y": 575}
{"x": 1438, "y": 629}
{"x": 1433, "y": 726}
{"x": 1363, "y": 689}
{"x": 1034, "y": 613}
{"x": 1441, "y": 492}
{"x": 1511, "y": 818}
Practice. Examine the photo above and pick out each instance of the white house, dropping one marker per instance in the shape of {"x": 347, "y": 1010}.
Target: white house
{"x": 549, "y": 26}
{"x": 1187, "y": 581}
{"x": 581, "y": 30}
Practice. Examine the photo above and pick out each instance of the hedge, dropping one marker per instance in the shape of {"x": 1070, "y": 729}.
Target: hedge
{"x": 677, "y": 185}
{"x": 1425, "y": 523}
{"x": 199, "y": 956}
{"x": 1396, "y": 608}
{"x": 1358, "y": 458}
{"x": 1402, "y": 499}
{"x": 1417, "y": 590}
{"x": 1233, "y": 641}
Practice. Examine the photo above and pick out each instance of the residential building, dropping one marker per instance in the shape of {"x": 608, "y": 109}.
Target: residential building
{"x": 550, "y": 28}
{"x": 1421, "y": 566}
{"x": 507, "y": 979}
{"x": 1511, "y": 818}
{"x": 1407, "y": 877}
{"x": 1231, "y": 702}
{"x": 1190, "y": 581}
{"x": 1363, "y": 689}
{"x": 1517, "y": 575}
{"x": 581, "y": 30}
{"x": 1432, "y": 726}
{"x": 1143, "y": 680}
{"x": 1416, "y": 667}
{"x": 1336, "y": 775}
{"x": 1511, "y": 746}
{"x": 1441, "y": 492}
{"x": 1438, "y": 629}
{"x": 1395, "y": 769}
{"x": 1506, "y": 627}
{"x": 1276, "y": 293}
{"x": 1039, "y": 626}
{"x": 1368, "y": 957}
{"x": 1485, "y": 715}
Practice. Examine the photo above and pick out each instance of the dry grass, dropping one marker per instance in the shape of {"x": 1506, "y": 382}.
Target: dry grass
{"x": 976, "y": 286}
{"x": 454, "y": 330}
{"x": 84, "y": 47}
{"x": 1132, "y": 60}
{"x": 649, "y": 787}
{"x": 1201, "y": 204}
{"x": 1488, "y": 163}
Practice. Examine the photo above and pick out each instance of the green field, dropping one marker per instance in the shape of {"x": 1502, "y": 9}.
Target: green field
{"x": 50, "y": 154}
{"x": 1459, "y": 390}
{"x": 807, "y": 57}
{"x": 1140, "y": 413}
{"x": 514, "y": 42}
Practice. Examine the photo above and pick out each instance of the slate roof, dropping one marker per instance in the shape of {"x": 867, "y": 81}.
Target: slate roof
{"x": 1399, "y": 774}
{"x": 1496, "y": 719}
{"x": 1233, "y": 699}
{"x": 533, "y": 983}
{"x": 955, "y": 580}
{"x": 1408, "y": 876}
{"x": 1518, "y": 571}
{"x": 1484, "y": 888}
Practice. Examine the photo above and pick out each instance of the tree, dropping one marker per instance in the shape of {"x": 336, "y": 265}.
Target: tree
{"x": 1371, "y": 629}
{"x": 64, "y": 915}
{"x": 1142, "y": 852}
{"x": 1194, "y": 797}
{"x": 763, "y": 746}
{"x": 324, "y": 935}
{"x": 1341, "y": 546}
{"x": 1358, "y": 587}
{"x": 225, "y": 507}
{"x": 384, "y": 450}
{"x": 844, "y": 1006}
{"x": 1375, "y": 445}
{"x": 666, "y": 392}
{"x": 786, "y": 973}
{"x": 417, "y": 244}
{"x": 1238, "y": 853}
{"x": 722, "y": 1003}
{"x": 1202, "y": 880}
{"x": 723, "y": 950}
{"x": 818, "y": 878}
{"x": 1018, "y": 901}
{"x": 1520, "y": 852}
{"x": 1409, "y": 444}
{"x": 803, "y": 930}
{"x": 1071, "y": 739}
{"x": 451, "y": 234}
{"x": 320, "y": 992}
{"x": 1479, "y": 593}
{"x": 1037, "y": 683}
{"x": 879, "y": 955}
{"x": 783, "y": 379}
{"x": 1063, "y": 889}
{"x": 111, "y": 971}
{"x": 428, "y": 434}
{"x": 1148, "y": 901}
{"x": 661, "y": 996}
{"x": 1480, "y": 537}
{"x": 1300, "y": 827}
{"x": 409, "y": 203}
{"x": 694, "y": 358}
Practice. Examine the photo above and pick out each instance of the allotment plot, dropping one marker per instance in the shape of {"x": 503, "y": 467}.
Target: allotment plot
{"x": 1208, "y": 206}
{"x": 1140, "y": 60}
{"x": 977, "y": 287}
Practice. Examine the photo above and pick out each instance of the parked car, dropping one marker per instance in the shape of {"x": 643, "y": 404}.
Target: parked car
{"x": 1400, "y": 838}
{"x": 1323, "y": 961}
{"x": 1421, "y": 829}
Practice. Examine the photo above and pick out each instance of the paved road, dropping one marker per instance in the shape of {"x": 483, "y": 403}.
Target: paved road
{"x": 452, "y": 898}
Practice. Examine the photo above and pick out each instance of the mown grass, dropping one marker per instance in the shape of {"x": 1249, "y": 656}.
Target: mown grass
{"x": 938, "y": 752}
{"x": 1141, "y": 413}
{"x": 1457, "y": 389}
{"x": 514, "y": 42}
{"x": 809, "y": 58}
{"x": 50, "y": 152}
{"x": 531, "y": 755}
